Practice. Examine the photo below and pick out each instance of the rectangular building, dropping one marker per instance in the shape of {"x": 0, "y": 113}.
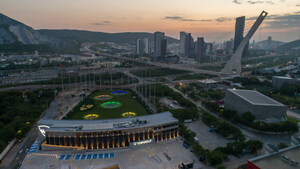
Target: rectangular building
{"x": 279, "y": 81}
{"x": 287, "y": 158}
{"x": 239, "y": 32}
{"x": 139, "y": 46}
{"x": 261, "y": 106}
{"x": 200, "y": 50}
{"x": 147, "y": 46}
{"x": 160, "y": 46}
{"x": 182, "y": 43}
{"x": 189, "y": 45}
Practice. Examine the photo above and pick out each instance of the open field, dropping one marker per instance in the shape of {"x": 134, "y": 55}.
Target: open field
{"x": 118, "y": 104}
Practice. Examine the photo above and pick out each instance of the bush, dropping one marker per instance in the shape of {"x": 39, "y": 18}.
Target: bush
{"x": 225, "y": 129}
{"x": 215, "y": 157}
{"x": 248, "y": 118}
{"x": 188, "y": 136}
{"x": 221, "y": 167}
{"x": 254, "y": 145}
{"x": 282, "y": 145}
{"x": 286, "y": 126}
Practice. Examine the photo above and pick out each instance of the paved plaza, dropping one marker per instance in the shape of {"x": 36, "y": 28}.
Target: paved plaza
{"x": 167, "y": 154}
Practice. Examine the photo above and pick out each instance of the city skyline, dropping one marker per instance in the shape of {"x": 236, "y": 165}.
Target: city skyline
{"x": 203, "y": 19}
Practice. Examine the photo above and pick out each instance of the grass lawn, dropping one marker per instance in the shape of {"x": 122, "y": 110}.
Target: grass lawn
{"x": 129, "y": 103}
{"x": 287, "y": 100}
{"x": 292, "y": 119}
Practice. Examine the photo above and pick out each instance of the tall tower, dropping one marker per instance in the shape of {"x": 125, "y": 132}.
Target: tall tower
{"x": 182, "y": 43}
{"x": 189, "y": 45}
{"x": 158, "y": 45}
{"x": 200, "y": 49}
{"x": 139, "y": 46}
{"x": 147, "y": 46}
{"x": 239, "y": 32}
{"x": 234, "y": 66}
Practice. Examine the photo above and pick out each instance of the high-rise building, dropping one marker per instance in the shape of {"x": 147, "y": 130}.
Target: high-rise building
{"x": 164, "y": 45}
{"x": 160, "y": 45}
{"x": 228, "y": 46}
{"x": 182, "y": 43}
{"x": 147, "y": 46}
{"x": 139, "y": 47}
{"x": 209, "y": 48}
{"x": 200, "y": 49}
{"x": 189, "y": 45}
{"x": 239, "y": 32}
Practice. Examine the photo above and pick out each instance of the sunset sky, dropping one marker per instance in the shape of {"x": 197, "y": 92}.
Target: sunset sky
{"x": 208, "y": 18}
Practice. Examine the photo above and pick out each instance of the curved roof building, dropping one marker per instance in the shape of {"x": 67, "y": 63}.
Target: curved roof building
{"x": 107, "y": 133}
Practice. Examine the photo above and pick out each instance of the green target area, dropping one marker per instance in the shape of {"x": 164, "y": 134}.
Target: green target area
{"x": 106, "y": 106}
{"x": 110, "y": 105}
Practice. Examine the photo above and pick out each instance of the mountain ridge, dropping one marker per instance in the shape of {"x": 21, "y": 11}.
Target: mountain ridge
{"x": 95, "y": 36}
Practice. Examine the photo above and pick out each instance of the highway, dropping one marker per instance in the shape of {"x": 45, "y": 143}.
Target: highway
{"x": 163, "y": 65}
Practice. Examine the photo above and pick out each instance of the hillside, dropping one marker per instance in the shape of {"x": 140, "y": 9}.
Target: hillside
{"x": 13, "y": 31}
{"x": 89, "y": 36}
{"x": 17, "y": 37}
{"x": 266, "y": 44}
{"x": 289, "y": 46}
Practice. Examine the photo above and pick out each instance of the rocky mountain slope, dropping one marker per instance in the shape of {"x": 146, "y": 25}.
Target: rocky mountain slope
{"x": 14, "y": 31}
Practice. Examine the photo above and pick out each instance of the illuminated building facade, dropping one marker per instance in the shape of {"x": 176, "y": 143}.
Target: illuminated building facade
{"x": 110, "y": 133}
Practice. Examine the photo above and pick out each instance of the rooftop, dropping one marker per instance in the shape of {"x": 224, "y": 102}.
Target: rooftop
{"x": 207, "y": 81}
{"x": 254, "y": 97}
{"x": 287, "y": 158}
{"x": 108, "y": 124}
{"x": 283, "y": 77}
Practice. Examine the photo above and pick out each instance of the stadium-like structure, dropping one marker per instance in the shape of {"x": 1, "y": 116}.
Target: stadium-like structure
{"x": 107, "y": 133}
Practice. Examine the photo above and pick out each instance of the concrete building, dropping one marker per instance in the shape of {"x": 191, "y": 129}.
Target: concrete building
{"x": 164, "y": 45}
{"x": 143, "y": 46}
{"x": 209, "y": 48}
{"x": 279, "y": 81}
{"x": 107, "y": 133}
{"x": 287, "y": 158}
{"x": 189, "y": 45}
{"x": 228, "y": 46}
{"x": 147, "y": 46}
{"x": 200, "y": 50}
{"x": 261, "y": 106}
{"x": 159, "y": 46}
{"x": 182, "y": 43}
{"x": 208, "y": 83}
{"x": 239, "y": 32}
{"x": 139, "y": 46}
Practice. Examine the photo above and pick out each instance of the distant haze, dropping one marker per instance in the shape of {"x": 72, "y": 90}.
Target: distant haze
{"x": 208, "y": 18}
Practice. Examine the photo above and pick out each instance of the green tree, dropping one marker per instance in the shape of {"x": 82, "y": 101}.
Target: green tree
{"x": 215, "y": 157}
{"x": 282, "y": 145}
{"x": 254, "y": 145}
{"x": 221, "y": 167}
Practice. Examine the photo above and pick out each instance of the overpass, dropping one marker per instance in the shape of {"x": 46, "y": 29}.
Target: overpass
{"x": 157, "y": 64}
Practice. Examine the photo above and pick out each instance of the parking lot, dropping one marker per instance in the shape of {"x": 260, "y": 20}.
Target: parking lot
{"x": 166, "y": 154}
{"x": 207, "y": 139}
